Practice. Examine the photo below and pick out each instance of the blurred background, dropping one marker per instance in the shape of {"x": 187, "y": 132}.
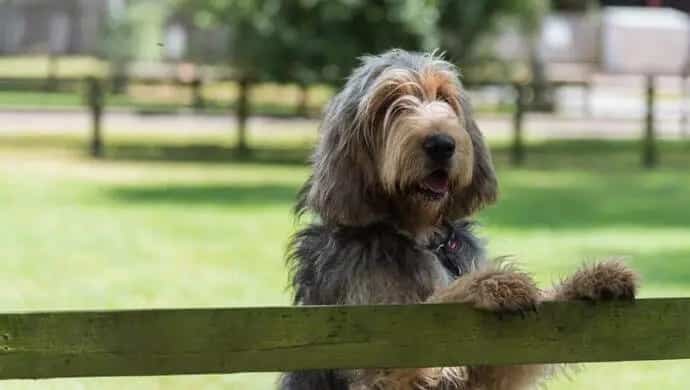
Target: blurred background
{"x": 150, "y": 150}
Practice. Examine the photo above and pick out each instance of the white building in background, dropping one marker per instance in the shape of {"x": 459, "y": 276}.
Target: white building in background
{"x": 175, "y": 41}
{"x": 51, "y": 26}
{"x": 632, "y": 40}
{"x": 637, "y": 40}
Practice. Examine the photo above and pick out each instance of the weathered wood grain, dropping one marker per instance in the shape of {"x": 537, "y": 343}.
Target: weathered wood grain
{"x": 196, "y": 341}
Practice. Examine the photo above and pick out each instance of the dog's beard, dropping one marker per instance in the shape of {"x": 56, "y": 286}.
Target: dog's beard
{"x": 433, "y": 188}
{"x": 408, "y": 173}
{"x": 420, "y": 188}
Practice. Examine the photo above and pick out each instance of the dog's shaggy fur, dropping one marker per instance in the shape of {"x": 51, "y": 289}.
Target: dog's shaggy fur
{"x": 400, "y": 167}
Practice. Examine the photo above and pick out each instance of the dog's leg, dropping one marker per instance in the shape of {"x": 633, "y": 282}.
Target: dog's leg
{"x": 499, "y": 289}
{"x": 604, "y": 281}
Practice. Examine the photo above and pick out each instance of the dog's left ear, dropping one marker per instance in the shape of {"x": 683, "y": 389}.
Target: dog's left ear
{"x": 483, "y": 188}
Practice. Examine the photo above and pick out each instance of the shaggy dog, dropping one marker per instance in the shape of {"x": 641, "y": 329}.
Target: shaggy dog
{"x": 400, "y": 166}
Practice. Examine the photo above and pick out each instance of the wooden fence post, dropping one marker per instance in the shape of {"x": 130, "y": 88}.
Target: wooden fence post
{"x": 649, "y": 152}
{"x": 303, "y": 100}
{"x": 52, "y": 73}
{"x": 684, "y": 106}
{"x": 95, "y": 101}
{"x": 198, "y": 102}
{"x": 517, "y": 155}
{"x": 242, "y": 114}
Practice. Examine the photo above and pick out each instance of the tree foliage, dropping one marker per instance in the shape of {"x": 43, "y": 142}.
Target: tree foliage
{"x": 313, "y": 40}
{"x": 462, "y": 23}
{"x": 310, "y": 41}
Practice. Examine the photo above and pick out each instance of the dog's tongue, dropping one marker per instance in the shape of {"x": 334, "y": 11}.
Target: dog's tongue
{"x": 437, "y": 182}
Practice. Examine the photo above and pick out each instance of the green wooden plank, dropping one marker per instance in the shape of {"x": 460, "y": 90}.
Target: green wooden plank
{"x": 200, "y": 341}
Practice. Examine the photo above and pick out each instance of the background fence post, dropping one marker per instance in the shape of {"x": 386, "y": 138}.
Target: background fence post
{"x": 198, "y": 102}
{"x": 95, "y": 101}
{"x": 649, "y": 152}
{"x": 517, "y": 155}
{"x": 683, "y": 124}
{"x": 242, "y": 114}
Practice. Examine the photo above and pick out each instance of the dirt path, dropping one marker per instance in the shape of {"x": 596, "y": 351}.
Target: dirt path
{"x": 536, "y": 125}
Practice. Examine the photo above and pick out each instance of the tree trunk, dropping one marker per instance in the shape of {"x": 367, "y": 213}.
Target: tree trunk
{"x": 303, "y": 101}
{"x": 242, "y": 115}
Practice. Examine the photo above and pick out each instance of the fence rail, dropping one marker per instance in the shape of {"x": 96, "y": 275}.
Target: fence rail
{"x": 201, "y": 341}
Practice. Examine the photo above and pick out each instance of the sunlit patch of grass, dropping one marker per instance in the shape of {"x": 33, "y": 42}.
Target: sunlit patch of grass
{"x": 39, "y": 66}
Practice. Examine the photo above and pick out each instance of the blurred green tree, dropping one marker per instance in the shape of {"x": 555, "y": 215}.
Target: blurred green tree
{"x": 463, "y": 24}
{"x": 118, "y": 45}
{"x": 309, "y": 41}
{"x": 130, "y": 28}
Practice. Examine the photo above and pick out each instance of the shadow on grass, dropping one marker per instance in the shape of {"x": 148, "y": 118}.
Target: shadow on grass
{"x": 191, "y": 195}
{"x": 208, "y": 153}
{"x": 594, "y": 201}
{"x": 160, "y": 151}
{"x": 600, "y": 156}
{"x": 586, "y": 183}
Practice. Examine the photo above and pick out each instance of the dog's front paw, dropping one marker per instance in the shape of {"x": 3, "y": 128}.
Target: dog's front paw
{"x": 605, "y": 281}
{"x": 504, "y": 291}
{"x": 499, "y": 290}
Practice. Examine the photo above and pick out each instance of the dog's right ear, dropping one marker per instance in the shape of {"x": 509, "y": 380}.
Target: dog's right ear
{"x": 343, "y": 186}
{"x": 342, "y": 189}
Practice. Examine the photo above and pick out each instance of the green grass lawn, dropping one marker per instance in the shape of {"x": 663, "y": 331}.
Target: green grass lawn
{"x": 159, "y": 224}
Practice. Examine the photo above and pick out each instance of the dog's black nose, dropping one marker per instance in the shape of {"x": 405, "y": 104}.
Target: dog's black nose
{"x": 439, "y": 147}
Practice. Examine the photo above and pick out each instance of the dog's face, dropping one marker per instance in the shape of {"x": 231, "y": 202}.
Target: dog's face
{"x": 418, "y": 124}
{"x": 400, "y": 138}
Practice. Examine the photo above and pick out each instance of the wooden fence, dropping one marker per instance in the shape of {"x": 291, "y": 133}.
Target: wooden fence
{"x": 202, "y": 341}
{"x": 95, "y": 89}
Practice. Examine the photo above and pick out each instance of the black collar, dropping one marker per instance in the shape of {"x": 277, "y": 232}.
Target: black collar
{"x": 445, "y": 246}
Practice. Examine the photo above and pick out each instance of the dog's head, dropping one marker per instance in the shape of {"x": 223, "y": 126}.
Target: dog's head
{"x": 400, "y": 138}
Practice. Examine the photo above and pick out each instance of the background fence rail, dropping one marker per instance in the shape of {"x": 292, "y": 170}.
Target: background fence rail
{"x": 199, "y": 341}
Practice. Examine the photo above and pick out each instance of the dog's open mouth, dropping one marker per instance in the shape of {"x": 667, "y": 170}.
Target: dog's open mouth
{"x": 435, "y": 186}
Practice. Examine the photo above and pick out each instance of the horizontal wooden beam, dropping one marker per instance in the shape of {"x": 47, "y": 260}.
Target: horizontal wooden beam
{"x": 200, "y": 341}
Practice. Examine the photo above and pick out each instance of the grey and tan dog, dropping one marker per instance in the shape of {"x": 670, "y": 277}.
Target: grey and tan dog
{"x": 399, "y": 168}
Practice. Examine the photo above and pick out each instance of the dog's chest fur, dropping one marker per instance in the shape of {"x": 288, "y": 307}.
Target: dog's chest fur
{"x": 378, "y": 264}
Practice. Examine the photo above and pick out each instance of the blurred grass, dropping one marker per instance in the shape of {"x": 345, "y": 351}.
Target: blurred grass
{"x": 39, "y": 66}
{"x": 172, "y": 221}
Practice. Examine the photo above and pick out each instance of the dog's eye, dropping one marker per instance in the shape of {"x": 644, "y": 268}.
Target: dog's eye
{"x": 446, "y": 99}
